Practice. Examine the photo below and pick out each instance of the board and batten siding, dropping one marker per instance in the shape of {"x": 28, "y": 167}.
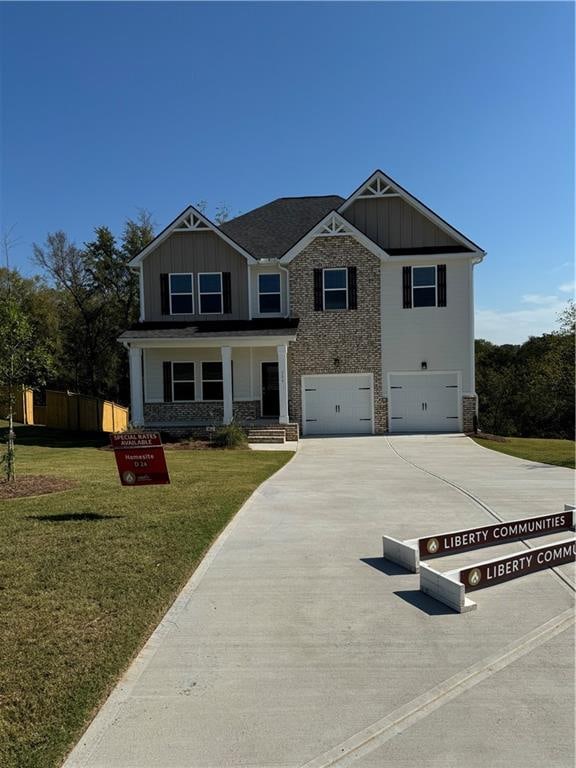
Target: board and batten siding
{"x": 393, "y": 223}
{"x": 195, "y": 252}
{"x": 440, "y": 336}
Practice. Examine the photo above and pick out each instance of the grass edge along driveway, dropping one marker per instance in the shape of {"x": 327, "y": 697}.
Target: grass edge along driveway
{"x": 87, "y": 574}
{"x": 557, "y": 452}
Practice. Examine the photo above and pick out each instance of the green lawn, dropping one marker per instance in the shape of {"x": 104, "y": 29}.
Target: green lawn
{"x": 86, "y": 574}
{"x": 559, "y": 452}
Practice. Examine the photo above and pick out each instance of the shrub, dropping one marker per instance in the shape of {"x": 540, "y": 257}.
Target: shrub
{"x": 230, "y": 436}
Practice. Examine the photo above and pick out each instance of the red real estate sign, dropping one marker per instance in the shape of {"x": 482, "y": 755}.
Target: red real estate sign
{"x": 140, "y": 458}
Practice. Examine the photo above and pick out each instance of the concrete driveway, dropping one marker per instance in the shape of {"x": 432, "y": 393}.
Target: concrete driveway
{"x": 295, "y": 645}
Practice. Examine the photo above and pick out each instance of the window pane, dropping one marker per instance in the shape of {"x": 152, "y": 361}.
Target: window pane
{"x": 424, "y": 275}
{"x": 269, "y": 302}
{"x": 213, "y": 390}
{"x": 183, "y": 371}
{"x": 334, "y": 278}
{"x": 211, "y": 371}
{"x": 181, "y": 283}
{"x": 210, "y": 303}
{"x": 334, "y": 299}
{"x": 424, "y": 297}
{"x": 269, "y": 283}
{"x": 181, "y": 305}
{"x": 210, "y": 283}
{"x": 183, "y": 391}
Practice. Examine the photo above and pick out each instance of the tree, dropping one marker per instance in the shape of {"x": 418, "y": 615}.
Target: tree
{"x": 24, "y": 357}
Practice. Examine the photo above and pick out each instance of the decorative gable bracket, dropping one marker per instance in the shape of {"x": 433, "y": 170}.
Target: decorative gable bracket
{"x": 192, "y": 223}
{"x": 334, "y": 226}
{"x": 377, "y": 188}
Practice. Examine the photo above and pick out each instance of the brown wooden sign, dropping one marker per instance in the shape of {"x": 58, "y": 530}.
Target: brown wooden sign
{"x": 488, "y": 535}
{"x": 512, "y": 567}
{"x": 140, "y": 458}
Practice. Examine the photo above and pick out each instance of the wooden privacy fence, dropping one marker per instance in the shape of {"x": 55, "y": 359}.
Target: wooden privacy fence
{"x": 67, "y": 410}
{"x": 23, "y": 405}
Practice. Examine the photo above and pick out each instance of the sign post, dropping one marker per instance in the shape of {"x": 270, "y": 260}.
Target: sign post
{"x": 140, "y": 458}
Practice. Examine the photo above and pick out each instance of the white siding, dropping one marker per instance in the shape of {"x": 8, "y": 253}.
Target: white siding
{"x": 245, "y": 361}
{"x": 438, "y": 335}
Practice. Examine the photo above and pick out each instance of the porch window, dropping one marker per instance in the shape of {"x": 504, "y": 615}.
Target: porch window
{"x": 210, "y": 293}
{"x": 335, "y": 288}
{"x": 212, "y": 381}
{"x": 181, "y": 293}
{"x": 183, "y": 382}
{"x": 269, "y": 293}
{"x": 423, "y": 286}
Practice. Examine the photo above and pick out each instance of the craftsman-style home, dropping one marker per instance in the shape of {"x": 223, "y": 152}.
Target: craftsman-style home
{"x": 318, "y": 315}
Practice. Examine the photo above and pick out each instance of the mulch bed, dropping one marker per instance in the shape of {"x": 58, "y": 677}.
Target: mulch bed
{"x": 33, "y": 485}
{"x": 488, "y": 436}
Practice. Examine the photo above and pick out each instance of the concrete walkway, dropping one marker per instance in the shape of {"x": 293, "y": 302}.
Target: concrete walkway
{"x": 295, "y": 645}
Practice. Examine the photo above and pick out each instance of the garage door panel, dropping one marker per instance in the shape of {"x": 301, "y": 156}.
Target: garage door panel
{"x": 337, "y": 404}
{"x": 424, "y": 402}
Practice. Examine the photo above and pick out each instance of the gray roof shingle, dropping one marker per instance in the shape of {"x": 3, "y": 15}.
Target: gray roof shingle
{"x": 269, "y": 231}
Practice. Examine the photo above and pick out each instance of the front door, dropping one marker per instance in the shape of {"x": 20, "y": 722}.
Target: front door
{"x": 270, "y": 391}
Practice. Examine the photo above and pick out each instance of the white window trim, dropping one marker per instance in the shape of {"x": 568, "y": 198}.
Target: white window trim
{"x": 435, "y": 286}
{"x": 270, "y": 293}
{"x": 202, "y": 362}
{"x": 324, "y": 289}
{"x": 183, "y": 381}
{"x": 211, "y": 293}
{"x": 177, "y": 293}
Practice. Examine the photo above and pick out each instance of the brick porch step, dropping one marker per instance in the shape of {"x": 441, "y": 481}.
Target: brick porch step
{"x": 266, "y": 436}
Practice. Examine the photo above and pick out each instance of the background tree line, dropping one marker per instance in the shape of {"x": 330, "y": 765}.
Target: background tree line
{"x": 527, "y": 390}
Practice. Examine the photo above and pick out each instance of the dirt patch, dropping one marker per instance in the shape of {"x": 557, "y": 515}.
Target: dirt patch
{"x": 33, "y": 485}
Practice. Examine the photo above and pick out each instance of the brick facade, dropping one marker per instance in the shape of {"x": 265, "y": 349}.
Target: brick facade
{"x": 336, "y": 341}
{"x": 181, "y": 413}
{"x": 469, "y": 410}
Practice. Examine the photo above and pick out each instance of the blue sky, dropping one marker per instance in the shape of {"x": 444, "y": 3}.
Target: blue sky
{"x": 112, "y": 107}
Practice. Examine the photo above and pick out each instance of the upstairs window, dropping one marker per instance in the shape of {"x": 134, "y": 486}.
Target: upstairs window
{"x": 183, "y": 382}
{"x": 269, "y": 294}
{"x": 423, "y": 286}
{"x": 335, "y": 288}
{"x": 210, "y": 293}
{"x": 212, "y": 382}
{"x": 181, "y": 293}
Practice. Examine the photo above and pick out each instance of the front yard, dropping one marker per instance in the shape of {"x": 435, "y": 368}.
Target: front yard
{"x": 558, "y": 452}
{"x": 87, "y": 573}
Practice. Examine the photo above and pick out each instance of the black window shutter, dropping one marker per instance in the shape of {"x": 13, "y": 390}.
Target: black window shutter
{"x": 318, "y": 290}
{"x": 352, "y": 289}
{"x": 167, "y": 370}
{"x": 407, "y": 286}
{"x": 441, "y": 271}
{"x": 164, "y": 294}
{"x": 226, "y": 293}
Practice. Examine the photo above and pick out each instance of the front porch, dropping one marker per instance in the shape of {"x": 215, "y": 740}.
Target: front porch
{"x": 195, "y": 384}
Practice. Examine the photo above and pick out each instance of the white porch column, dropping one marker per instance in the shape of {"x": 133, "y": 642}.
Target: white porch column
{"x": 226, "y": 353}
{"x": 282, "y": 352}
{"x": 136, "y": 393}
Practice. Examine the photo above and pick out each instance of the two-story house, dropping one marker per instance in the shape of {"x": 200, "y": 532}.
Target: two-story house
{"x": 321, "y": 314}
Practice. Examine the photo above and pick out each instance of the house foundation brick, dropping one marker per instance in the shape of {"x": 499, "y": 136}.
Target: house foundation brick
{"x": 469, "y": 410}
{"x": 336, "y": 341}
{"x": 211, "y": 413}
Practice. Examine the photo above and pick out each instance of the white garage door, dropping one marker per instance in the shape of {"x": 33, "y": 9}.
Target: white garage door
{"x": 337, "y": 405}
{"x": 424, "y": 402}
